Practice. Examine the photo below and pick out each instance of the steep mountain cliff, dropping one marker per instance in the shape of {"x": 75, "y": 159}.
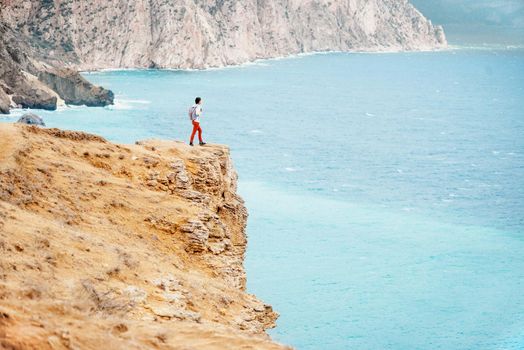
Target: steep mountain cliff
{"x": 42, "y": 40}
{"x": 106, "y": 246}
{"x": 30, "y": 80}
{"x": 197, "y": 34}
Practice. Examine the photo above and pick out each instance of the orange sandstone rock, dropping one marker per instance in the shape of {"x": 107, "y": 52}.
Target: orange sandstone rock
{"x": 99, "y": 256}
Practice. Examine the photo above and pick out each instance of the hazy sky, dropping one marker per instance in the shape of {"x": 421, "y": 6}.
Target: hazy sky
{"x": 477, "y": 21}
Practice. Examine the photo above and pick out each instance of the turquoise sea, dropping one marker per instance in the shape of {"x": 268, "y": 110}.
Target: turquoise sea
{"x": 386, "y": 191}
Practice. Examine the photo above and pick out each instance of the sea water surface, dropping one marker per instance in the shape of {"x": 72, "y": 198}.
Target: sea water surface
{"x": 385, "y": 191}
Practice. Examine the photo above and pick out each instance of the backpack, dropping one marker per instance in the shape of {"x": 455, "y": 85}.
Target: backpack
{"x": 191, "y": 112}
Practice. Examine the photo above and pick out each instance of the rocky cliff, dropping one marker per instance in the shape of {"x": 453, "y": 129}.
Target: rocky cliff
{"x": 97, "y": 34}
{"x": 208, "y": 33}
{"x": 29, "y": 79}
{"x": 106, "y": 246}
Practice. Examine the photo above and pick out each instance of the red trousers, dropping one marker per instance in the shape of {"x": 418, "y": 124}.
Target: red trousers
{"x": 196, "y": 127}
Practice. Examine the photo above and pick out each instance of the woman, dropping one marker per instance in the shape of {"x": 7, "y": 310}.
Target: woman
{"x": 195, "y": 112}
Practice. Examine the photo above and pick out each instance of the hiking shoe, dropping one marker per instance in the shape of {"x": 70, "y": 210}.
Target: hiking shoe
{"x": 202, "y": 143}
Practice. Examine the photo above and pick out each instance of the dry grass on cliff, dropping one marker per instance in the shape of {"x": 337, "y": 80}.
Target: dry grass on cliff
{"x": 106, "y": 246}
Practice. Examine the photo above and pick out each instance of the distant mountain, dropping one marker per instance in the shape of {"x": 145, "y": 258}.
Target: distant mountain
{"x": 197, "y": 34}
{"x": 95, "y": 34}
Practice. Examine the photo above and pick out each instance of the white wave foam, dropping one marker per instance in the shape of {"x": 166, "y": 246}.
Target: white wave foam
{"x": 135, "y": 101}
{"x": 69, "y": 108}
{"x": 17, "y": 112}
{"x": 115, "y": 70}
{"x": 485, "y": 47}
{"x": 128, "y": 104}
{"x": 121, "y": 106}
{"x": 265, "y": 61}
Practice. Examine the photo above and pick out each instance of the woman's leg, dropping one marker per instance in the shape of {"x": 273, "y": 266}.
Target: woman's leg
{"x": 200, "y": 133}
{"x": 196, "y": 127}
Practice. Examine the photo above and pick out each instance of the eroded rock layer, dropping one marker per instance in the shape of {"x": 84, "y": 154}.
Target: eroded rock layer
{"x": 106, "y": 246}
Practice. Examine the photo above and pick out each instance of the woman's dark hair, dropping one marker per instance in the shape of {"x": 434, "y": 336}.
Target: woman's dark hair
{"x": 197, "y": 100}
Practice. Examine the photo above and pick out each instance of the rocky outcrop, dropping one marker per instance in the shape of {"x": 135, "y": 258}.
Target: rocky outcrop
{"x": 74, "y": 89}
{"x": 198, "y": 34}
{"x": 16, "y": 81}
{"x": 30, "y": 80}
{"x": 31, "y": 119}
{"x": 122, "y": 247}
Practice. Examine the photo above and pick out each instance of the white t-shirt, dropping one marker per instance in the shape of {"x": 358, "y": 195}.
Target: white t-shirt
{"x": 197, "y": 113}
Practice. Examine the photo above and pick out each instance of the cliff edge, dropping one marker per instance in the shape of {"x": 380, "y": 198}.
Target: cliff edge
{"x": 107, "y": 246}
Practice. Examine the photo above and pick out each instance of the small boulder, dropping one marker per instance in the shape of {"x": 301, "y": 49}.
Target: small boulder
{"x": 31, "y": 119}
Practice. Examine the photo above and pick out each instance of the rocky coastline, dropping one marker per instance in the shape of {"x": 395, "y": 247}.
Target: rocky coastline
{"x": 29, "y": 80}
{"x": 43, "y": 44}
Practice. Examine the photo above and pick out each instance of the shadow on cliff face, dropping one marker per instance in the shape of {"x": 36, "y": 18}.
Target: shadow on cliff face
{"x": 28, "y": 80}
